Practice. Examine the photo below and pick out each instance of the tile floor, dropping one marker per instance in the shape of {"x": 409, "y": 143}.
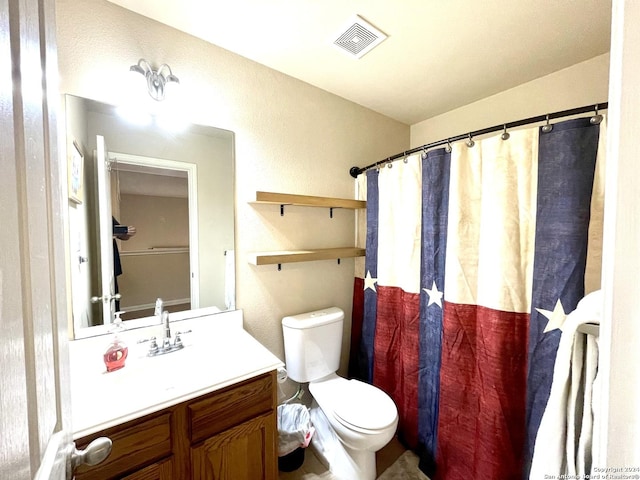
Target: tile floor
{"x": 313, "y": 469}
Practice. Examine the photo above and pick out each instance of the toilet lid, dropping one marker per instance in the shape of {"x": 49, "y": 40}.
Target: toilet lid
{"x": 365, "y": 406}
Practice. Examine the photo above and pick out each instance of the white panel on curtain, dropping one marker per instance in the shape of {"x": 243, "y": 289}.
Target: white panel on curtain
{"x": 361, "y": 224}
{"x": 593, "y": 272}
{"x": 399, "y": 218}
{"x": 492, "y": 205}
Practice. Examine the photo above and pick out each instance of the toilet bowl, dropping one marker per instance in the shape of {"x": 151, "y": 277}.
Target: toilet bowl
{"x": 353, "y": 420}
{"x": 363, "y": 416}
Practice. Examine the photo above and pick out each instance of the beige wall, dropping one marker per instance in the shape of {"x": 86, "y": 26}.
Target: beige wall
{"x": 582, "y": 84}
{"x": 79, "y": 242}
{"x": 160, "y": 222}
{"x": 290, "y": 137}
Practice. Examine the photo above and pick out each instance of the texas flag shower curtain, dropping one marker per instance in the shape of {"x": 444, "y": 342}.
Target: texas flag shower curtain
{"x": 473, "y": 260}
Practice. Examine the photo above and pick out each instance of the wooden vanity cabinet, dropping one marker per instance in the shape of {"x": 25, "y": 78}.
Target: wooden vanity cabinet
{"x": 229, "y": 434}
{"x": 244, "y": 452}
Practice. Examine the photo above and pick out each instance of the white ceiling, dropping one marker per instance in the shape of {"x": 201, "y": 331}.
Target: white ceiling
{"x": 440, "y": 54}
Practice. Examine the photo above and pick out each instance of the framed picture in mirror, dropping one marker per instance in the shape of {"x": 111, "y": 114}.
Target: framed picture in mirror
{"x": 75, "y": 173}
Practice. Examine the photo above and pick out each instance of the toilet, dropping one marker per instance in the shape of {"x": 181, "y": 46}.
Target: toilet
{"x": 352, "y": 419}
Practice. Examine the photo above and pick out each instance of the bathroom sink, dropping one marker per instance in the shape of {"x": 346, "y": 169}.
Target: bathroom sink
{"x": 152, "y": 375}
{"x": 214, "y": 356}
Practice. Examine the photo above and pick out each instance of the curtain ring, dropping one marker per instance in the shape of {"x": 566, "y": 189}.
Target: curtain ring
{"x": 597, "y": 118}
{"x": 405, "y": 159}
{"x": 505, "y": 135}
{"x": 548, "y": 127}
{"x": 470, "y": 143}
{"x": 448, "y": 148}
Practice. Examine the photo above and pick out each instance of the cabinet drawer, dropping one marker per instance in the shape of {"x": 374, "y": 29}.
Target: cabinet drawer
{"x": 135, "y": 444}
{"x": 231, "y": 406}
{"x": 157, "y": 471}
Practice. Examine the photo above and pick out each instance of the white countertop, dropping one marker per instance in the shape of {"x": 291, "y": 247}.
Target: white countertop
{"x": 218, "y": 353}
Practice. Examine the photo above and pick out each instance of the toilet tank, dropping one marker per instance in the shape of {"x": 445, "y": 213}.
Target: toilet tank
{"x": 312, "y": 343}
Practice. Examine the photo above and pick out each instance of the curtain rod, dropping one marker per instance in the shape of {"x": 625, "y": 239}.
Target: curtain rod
{"x": 355, "y": 171}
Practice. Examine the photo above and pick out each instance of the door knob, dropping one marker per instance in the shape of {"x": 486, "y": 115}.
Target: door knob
{"x": 106, "y": 298}
{"x": 94, "y": 453}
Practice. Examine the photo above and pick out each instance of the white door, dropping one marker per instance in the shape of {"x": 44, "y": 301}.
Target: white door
{"x": 35, "y": 438}
{"x": 107, "y": 284}
{"x": 80, "y": 266}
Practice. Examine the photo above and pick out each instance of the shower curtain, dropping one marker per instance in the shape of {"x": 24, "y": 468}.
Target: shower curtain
{"x": 473, "y": 260}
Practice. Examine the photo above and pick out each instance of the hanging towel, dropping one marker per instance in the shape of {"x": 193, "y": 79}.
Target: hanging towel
{"x": 564, "y": 440}
{"x": 230, "y": 279}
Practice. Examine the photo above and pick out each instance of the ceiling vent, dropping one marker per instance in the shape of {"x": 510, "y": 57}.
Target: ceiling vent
{"x": 359, "y": 38}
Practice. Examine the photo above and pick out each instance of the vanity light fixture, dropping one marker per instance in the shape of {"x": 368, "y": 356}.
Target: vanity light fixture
{"x": 156, "y": 79}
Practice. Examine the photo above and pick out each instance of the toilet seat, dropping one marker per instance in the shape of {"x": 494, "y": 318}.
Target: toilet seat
{"x": 355, "y": 404}
{"x": 365, "y": 407}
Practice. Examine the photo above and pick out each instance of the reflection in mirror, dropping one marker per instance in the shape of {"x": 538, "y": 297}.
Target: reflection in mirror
{"x": 175, "y": 192}
{"x": 153, "y": 230}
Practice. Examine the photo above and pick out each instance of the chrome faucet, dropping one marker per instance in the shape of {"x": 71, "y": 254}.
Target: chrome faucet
{"x": 165, "y": 346}
{"x": 166, "y": 340}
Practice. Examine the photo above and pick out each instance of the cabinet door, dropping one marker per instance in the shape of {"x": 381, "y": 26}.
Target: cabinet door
{"x": 244, "y": 452}
{"x": 157, "y": 471}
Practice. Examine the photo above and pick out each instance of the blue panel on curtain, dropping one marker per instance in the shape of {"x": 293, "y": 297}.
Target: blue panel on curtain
{"x": 435, "y": 206}
{"x": 371, "y": 273}
{"x": 566, "y": 166}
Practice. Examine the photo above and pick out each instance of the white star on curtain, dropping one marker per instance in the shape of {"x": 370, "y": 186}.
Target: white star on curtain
{"x": 556, "y": 317}
{"x": 435, "y": 296}
{"x": 370, "y": 282}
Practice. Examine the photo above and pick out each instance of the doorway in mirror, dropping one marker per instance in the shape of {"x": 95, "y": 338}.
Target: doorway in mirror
{"x": 155, "y": 262}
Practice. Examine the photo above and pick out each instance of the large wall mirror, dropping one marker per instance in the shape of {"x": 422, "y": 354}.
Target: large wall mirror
{"x": 151, "y": 215}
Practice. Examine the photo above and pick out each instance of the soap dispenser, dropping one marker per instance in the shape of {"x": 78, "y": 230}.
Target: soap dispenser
{"x": 117, "y": 351}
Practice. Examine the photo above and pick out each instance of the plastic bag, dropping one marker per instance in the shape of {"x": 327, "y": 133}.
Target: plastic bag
{"x": 294, "y": 428}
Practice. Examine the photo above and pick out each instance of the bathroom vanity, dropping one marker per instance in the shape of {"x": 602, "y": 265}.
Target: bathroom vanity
{"x": 205, "y": 412}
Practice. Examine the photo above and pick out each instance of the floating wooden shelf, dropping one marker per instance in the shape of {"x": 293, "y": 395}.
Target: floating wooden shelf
{"x": 290, "y": 256}
{"x": 307, "y": 200}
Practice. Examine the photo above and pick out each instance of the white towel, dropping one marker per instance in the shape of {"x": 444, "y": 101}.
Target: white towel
{"x": 230, "y": 280}
{"x": 563, "y": 442}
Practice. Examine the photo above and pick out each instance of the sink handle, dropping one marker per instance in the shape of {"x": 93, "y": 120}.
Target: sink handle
{"x": 153, "y": 348}
{"x": 177, "y": 342}
{"x": 145, "y": 340}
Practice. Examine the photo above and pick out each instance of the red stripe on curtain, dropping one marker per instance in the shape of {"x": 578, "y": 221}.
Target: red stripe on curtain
{"x": 481, "y": 427}
{"x": 357, "y": 317}
{"x": 396, "y": 357}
